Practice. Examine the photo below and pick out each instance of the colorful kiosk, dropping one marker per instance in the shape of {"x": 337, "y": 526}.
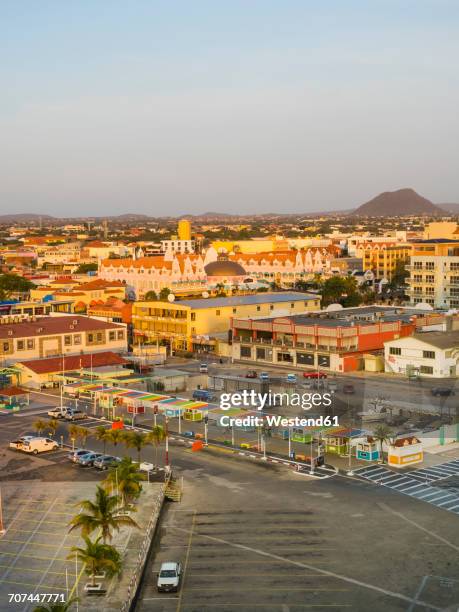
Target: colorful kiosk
{"x": 338, "y": 440}
{"x": 405, "y": 451}
{"x": 368, "y": 450}
{"x": 13, "y": 398}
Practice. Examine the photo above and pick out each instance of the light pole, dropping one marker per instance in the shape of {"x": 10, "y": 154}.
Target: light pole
{"x": 2, "y": 527}
{"x": 206, "y": 419}
{"x": 350, "y": 472}
{"x": 166, "y": 420}
{"x": 311, "y": 471}
{"x": 232, "y": 435}
{"x": 289, "y": 443}
{"x": 180, "y": 421}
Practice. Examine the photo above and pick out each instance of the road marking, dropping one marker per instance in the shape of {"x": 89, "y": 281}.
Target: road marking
{"x": 33, "y": 584}
{"x": 29, "y": 569}
{"x": 32, "y": 543}
{"x": 185, "y": 565}
{"x": 311, "y": 567}
{"x": 418, "y": 526}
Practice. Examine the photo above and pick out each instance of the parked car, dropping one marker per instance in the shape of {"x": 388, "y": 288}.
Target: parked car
{"x": 169, "y": 577}
{"x": 74, "y": 455}
{"x": 105, "y": 461}
{"x": 59, "y": 412}
{"x": 88, "y": 459}
{"x": 202, "y": 395}
{"x": 251, "y": 374}
{"x": 38, "y": 445}
{"x": 348, "y": 389}
{"x": 75, "y": 415}
{"x": 264, "y": 376}
{"x": 442, "y": 391}
{"x": 314, "y": 375}
{"x": 291, "y": 378}
{"x": 203, "y": 368}
{"x": 16, "y": 444}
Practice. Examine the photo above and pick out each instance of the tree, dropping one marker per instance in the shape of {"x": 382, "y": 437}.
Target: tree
{"x": 83, "y": 434}
{"x": 100, "y": 514}
{"x": 157, "y": 435}
{"x": 73, "y": 433}
{"x": 151, "y": 296}
{"x": 164, "y": 293}
{"x": 115, "y": 436}
{"x": 40, "y": 426}
{"x": 56, "y": 607}
{"x": 53, "y": 424}
{"x": 84, "y": 268}
{"x": 97, "y": 557}
{"x": 102, "y": 434}
{"x": 399, "y": 274}
{"x": 127, "y": 478}
{"x": 137, "y": 440}
{"x": 342, "y": 290}
{"x": 12, "y": 283}
{"x": 382, "y": 433}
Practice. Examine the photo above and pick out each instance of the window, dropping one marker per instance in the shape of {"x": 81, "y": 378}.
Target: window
{"x": 20, "y": 345}
{"x": 426, "y": 370}
{"x": 258, "y": 308}
{"x": 430, "y": 265}
{"x": 395, "y": 350}
{"x": 6, "y": 347}
{"x": 428, "y": 354}
{"x": 193, "y": 330}
{"x": 67, "y": 340}
{"x": 90, "y": 337}
{"x": 99, "y": 337}
{"x": 430, "y": 278}
{"x": 77, "y": 339}
{"x": 30, "y": 343}
{"x": 271, "y": 307}
{"x": 217, "y": 312}
{"x": 193, "y": 316}
{"x": 120, "y": 334}
{"x": 234, "y": 310}
{"x": 246, "y": 351}
{"x": 111, "y": 335}
{"x": 261, "y": 353}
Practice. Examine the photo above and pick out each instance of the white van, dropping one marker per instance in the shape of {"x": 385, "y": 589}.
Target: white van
{"x": 38, "y": 445}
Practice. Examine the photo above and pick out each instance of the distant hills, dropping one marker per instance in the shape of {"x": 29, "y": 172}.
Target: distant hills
{"x": 397, "y": 203}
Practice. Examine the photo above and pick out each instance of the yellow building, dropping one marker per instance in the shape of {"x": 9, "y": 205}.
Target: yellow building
{"x": 184, "y": 229}
{"x": 257, "y": 245}
{"x": 189, "y": 324}
{"x": 441, "y": 229}
{"x": 83, "y": 295}
{"x": 382, "y": 258}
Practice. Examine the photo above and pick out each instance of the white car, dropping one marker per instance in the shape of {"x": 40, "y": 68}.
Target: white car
{"x": 38, "y": 445}
{"x": 203, "y": 368}
{"x": 169, "y": 577}
{"x": 17, "y": 444}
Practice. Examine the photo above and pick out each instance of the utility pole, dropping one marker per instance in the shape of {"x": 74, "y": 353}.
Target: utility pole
{"x": 2, "y": 527}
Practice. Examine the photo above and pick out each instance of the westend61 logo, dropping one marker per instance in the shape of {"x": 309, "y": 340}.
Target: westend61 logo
{"x": 259, "y": 401}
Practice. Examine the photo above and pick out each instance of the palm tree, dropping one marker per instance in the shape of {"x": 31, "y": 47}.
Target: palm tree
{"x": 102, "y": 434}
{"x": 127, "y": 478}
{"x": 382, "y": 433}
{"x": 97, "y": 557}
{"x": 157, "y": 436}
{"x": 100, "y": 514}
{"x": 115, "y": 436}
{"x": 82, "y": 434}
{"x": 73, "y": 433}
{"x": 137, "y": 440}
{"x": 56, "y": 607}
{"x": 53, "y": 424}
{"x": 40, "y": 426}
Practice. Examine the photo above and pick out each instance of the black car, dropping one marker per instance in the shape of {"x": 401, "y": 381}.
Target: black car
{"x": 442, "y": 391}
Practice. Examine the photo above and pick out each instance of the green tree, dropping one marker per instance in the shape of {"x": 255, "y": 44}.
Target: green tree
{"x": 115, "y": 436}
{"x": 151, "y": 296}
{"x": 53, "y": 424}
{"x": 382, "y": 433}
{"x": 83, "y": 434}
{"x": 11, "y": 284}
{"x": 73, "y": 433}
{"x": 102, "y": 434}
{"x": 84, "y": 268}
{"x": 137, "y": 440}
{"x": 97, "y": 557}
{"x": 63, "y": 606}
{"x": 164, "y": 293}
{"x": 400, "y": 273}
{"x": 342, "y": 290}
{"x": 100, "y": 514}
{"x": 127, "y": 478}
{"x": 157, "y": 435}
{"x": 40, "y": 425}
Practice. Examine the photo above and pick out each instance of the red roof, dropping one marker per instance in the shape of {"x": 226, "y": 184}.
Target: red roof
{"x": 12, "y": 391}
{"x": 73, "y": 362}
{"x": 47, "y": 326}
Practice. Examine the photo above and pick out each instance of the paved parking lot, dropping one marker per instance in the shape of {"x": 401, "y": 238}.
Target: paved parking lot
{"x": 34, "y": 548}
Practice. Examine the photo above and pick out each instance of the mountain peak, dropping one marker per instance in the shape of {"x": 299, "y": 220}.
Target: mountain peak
{"x": 404, "y": 201}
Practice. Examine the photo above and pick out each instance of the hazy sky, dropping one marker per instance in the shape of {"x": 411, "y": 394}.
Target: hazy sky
{"x": 248, "y": 106}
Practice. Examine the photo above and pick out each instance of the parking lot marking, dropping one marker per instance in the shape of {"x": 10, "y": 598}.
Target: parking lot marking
{"x": 27, "y": 556}
{"x": 185, "y": 565}
{"x": 33, "y": 584}
{"x": 33, "y": 543}
{"x": 29, "y": 569}
{"x": 311, "y": 567}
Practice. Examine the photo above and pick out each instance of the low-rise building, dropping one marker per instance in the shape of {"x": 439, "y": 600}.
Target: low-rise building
{"x": 38, "y": 337}
{"x": 183, "y": 325}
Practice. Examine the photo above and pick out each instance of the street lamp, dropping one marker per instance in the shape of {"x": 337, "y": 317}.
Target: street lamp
{"x": 349, "y": 471}
{"x": 166, "y": 420}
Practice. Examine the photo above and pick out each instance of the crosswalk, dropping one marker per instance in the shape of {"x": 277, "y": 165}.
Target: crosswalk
{"x": 418, "y": 483}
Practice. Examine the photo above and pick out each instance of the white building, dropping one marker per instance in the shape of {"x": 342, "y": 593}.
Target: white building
{"x": 433, "y": 353}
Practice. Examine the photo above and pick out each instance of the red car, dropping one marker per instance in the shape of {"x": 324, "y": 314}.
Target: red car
{"x": 314, "y": 375}
{"x": 251, "y": 374}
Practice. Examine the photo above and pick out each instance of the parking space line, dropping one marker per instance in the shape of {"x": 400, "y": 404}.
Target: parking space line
{"x": 453, "y": 500}
{"x": 30, "y": 543}
{"x": 185, "y": 565}
{"x": 33, "y": 584}
{"x": 443, "y": 497}
{"x": 29, "y": 569}
{"x": 28, "y": 556}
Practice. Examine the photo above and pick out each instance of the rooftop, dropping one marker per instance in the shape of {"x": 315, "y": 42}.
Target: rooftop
{"x": 46, "y": 326}
{"x": 73, "y": 362}
{"x": 242, "y": 300}
{"x": 439, "y": 339}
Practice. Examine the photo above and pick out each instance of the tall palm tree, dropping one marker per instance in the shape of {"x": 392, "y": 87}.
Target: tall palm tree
{"x": 127, "y": 478}
{"x": 157, "y": 435}
{"x": 102, "y": 434}
{"x": 100, "y": 514}
{"x": 97, "y": 557}
{"x": 382, "y": 433}
{"x": 83, "y": 434}
{"x": 53, "y": 424}
{"x": 40, "y": 425}
{"x": 115, "y": 436}
{"x": 73, "y": 433}
{"x": 57, "y": 607}
{"x": 137, "y": 440}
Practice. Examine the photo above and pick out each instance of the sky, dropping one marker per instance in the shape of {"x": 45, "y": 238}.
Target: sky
{"x": 248, "y": 106}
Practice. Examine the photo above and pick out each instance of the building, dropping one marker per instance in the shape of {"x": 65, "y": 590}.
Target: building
{"x": 39, "y": 373}
{"x": 184, "y": 229}
{"x": 329, "y": 340}
{"x": 188, "y": 324}
{"x": 175, "y": 245}
{"x": 382, "y": 257}
{"x": 448, "y": 230}
{"x": 35, "y": 338}
{"x": 83, "y": 295}
{"x": 432, "y": 353}
{"x": 15, "y": 308}
{"x": 434, "y": 273}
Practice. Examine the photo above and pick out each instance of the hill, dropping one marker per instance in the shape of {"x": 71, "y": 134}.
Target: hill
{"x": 396, "y": 203}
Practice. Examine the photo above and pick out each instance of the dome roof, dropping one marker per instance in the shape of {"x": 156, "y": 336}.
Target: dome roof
{"x": 224, "y": 268}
